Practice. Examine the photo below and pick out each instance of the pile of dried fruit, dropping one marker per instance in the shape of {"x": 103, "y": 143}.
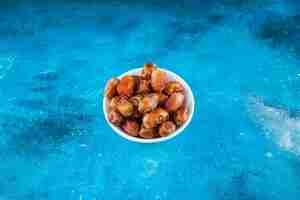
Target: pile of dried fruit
{"x": 148, "y": 105}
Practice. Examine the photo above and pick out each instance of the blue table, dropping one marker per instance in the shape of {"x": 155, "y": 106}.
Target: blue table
{"x": 241, "y": 59}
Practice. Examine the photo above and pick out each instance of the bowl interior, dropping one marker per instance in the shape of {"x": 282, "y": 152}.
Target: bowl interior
{"x": 189, "y": 103}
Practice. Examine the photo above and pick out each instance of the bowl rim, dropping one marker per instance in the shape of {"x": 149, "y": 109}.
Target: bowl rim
{"x": 153, "y": 140}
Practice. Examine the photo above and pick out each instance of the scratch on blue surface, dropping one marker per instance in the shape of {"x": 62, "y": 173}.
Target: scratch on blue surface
{"x": 6, "y": 63}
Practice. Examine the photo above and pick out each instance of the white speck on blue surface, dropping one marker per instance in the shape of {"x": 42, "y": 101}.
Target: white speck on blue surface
{"x": 151, "y": 168}
{"x": 269, "y": 155}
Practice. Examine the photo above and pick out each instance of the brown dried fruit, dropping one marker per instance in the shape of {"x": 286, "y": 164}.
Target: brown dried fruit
{"x": 131, "y": 127}
{"x": 154, "y": 118}
{"x": 181, "y": 116}
{"x": 162, "y": 115}
{"x": 127, "y": 86}
{"x": 162, "y": 98}
{"x": 149, "y": 120}
{"x": 148, "y": 103}
{"x": 125, "y": 107}
{"x": 143, "y": 86}
{"x": 147, "y": 70}
{"x": 115, "y": 117}
{"x": 114, "y": 102}
{"x": 147, "y": 133}
{"x": 135, "y": 100}
{"x": 136, "y": 114}
{"x": 159, "y": 80}
{"x": 172, "y": 87}
{"x": 174, "y": 102}
{"x": 111, "y": 88}
{"x": 166, "y": 128}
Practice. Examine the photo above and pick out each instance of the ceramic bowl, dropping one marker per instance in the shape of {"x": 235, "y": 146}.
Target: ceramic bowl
{"x": 190, "y": 103}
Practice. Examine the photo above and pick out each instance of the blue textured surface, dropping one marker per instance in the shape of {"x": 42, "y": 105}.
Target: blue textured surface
{"x": 241, "y": 58}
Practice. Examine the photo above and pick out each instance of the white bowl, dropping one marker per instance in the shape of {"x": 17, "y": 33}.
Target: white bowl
{"x": 190, "y": 103}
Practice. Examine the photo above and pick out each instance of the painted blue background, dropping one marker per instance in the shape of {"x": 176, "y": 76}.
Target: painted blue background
{"x": 55, "y": 57}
